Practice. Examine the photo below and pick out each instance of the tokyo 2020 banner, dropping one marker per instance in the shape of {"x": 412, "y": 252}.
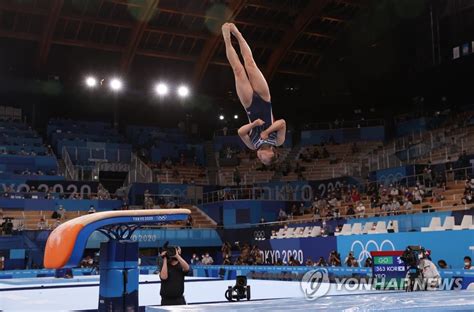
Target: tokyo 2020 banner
{"x": 299, "y": 248}
{"x": 451, "y": 246}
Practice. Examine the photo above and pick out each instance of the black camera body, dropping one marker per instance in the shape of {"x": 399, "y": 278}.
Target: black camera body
{"x": 411, "y": 257}
{"x": 170, "y": 250}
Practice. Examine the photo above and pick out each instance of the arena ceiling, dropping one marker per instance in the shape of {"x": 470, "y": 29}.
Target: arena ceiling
{"x": 179, "y": 37}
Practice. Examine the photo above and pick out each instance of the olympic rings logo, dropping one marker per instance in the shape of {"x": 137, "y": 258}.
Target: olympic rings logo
{"x": 371, "y": 245}
{"x": 150, "y": 218}
{"x": 390, "y": 178}
{"x": 259, "y": 235}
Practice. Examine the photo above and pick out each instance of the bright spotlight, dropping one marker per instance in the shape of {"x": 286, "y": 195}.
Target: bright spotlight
{"x": 183, "y": 91}
{"x": 221, "y": 117}
{"x": 91, "y": 82}
{"x": 161, "y": 89}
{"x": 116, "y": 84}
{"x": 236, "y": 116}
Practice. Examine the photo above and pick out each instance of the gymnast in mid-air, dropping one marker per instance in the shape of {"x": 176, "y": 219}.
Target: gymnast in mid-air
{"x": 262, "y": 133}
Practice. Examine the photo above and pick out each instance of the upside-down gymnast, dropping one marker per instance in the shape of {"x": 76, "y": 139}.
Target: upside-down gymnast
{"x": 262, "y": 133}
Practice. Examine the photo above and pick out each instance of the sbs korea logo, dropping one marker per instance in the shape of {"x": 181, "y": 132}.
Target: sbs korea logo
{"x": 315, "y": 283}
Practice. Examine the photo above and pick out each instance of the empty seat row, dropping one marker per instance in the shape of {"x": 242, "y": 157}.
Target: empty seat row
{"x": 298, "y": 232}
{"x": 435, "y": 224}
{"x": 379, "y": 227}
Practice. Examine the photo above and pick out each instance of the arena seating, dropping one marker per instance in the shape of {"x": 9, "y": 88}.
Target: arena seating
{"x": 22, "y": 152}
{"x": 200, "y": 219}
{"x": 250, "y": 168}
{"x": 437, "y": 145}
{"x": 88, "y": 143}
{"x": 379, "y": 227}
{"x": 181, "y": 174}
{"x": 338, "y": 163}
{"x": 28, "y": 220}
{"x": 466, "y": 223}
{"x": 9, "y": 113}
{"x": 341, "y": 161}
{"x": 173, "y": 156}
{"x": 290, "y": 232}
{"x": 452, "y": 198}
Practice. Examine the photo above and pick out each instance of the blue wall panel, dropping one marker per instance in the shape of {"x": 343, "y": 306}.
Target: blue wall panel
{"x": 254, "y": 210}
{"x": 407, "y": 222}
{"x": 300, "y": 248}
{"x": 176, "y": 237}
{"x": 69, "y": 204}
{"x": 409, "y": 126}
{"x": 451, "y": 246}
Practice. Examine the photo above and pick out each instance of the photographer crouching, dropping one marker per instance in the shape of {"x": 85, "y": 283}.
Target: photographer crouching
{"x": 173, "y": 268}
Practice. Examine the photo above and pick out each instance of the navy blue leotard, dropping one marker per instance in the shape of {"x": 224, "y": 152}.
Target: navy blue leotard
{"x": 260, "y": 109}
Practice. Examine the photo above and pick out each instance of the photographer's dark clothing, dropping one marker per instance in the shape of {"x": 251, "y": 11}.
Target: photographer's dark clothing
{"x": 172, "y": 288}
{"x": 172, "y": 301}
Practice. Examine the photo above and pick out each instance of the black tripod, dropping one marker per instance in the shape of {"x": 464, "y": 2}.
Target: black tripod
{"x": 413, "y": 274}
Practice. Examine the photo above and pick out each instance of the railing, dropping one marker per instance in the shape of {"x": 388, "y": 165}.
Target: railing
{"x": 319, "y": 126}
{"x": 70, "y": 171}
{"x": 418, "y": 145}
{"x": 139, "y": 171}
{"x": 83, "y": 193}
{"x": 366, "y": 215}
{"x": 308, "y": 194}
{"x": 9, "y": 113}
{"x": 309, "y": 218}
{"x": 391, "y": 157}
{"x": 246, "y": 179}
{"x": 100, "y": 154}
{"x": 344, "y": 124}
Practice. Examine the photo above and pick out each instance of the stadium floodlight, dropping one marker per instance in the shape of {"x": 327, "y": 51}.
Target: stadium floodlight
{"x": 161, "y": 89}
{"x": 183, "y": 91}
{"x": 236, "y": 116}
{"x": 116, "y": 84}
{"x": 91, "y": 82}
{"x": 221, "y": 117}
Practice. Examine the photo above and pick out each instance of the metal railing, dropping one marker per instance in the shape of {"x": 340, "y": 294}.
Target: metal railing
{"x": 341, "y": 124}
{"x": 70, "y": 171}
{"x": 308, "y": 194}
{"x": 415, "y": 147}
{"x": 139, "y": 171}
{"x": 367, "y": 214}
{"x": 100, "y": 154}
{"x": 416, "y": 154}
{"x": 83, "y": 193}
{"x": 349, "y": 124}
